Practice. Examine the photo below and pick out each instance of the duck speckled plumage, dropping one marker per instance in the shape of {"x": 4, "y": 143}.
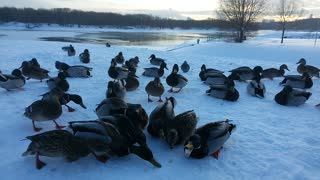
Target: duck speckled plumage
{"x": 273, "y": 72}
{"x": 132, "y": 83}
{"x": 156, "y": 61}
{"x": 155, "y": 88}
{"x": 176, "y": 80}
{"x": 58, "y": 82}
{"x": 311, "y": 70}
{"x": 32, "y": 71}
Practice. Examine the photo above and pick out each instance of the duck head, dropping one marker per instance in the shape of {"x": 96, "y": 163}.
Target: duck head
{"x": 175, "y": 69}
{"x": 152, "y": 56}
{"x": 163, "y": 65}
{"x": 172, "y": 137}
{"x": 86, "y": 51}
{"x": 24, "y": 64}
{"x": 145, "y": 153}
{"x": 203, "y": 67}
{"x": 77, "y": 99}
{"x": 284, "y": 67}
{"x": 16, "y": 72}
{"x": 257, "y": 69}
{"x": 172, "y": 100}
{"x": 61, "y": 66}
{"x": 61, "y": 76}
{"x": 120, "y": 53}
{"x": 302, "y": 61}
{"x": 194, "y": 142}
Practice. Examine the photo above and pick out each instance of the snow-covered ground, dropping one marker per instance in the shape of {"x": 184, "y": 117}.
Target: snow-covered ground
{"x": 271, "y": 141}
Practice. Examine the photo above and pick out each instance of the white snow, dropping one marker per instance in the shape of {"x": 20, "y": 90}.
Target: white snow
{"x": 271, "y": 141}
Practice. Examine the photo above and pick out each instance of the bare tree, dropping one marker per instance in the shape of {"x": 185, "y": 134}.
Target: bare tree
{"x": 241, "y": 13}
{"x": 287, "y": 10}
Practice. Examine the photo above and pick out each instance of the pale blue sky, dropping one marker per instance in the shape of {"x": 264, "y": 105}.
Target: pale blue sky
{"x": 198, "y": 9}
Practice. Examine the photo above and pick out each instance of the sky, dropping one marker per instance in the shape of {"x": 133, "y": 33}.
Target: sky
{"x": 199, "y": 9}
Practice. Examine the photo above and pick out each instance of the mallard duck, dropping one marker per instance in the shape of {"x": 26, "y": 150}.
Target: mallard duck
{"x": 65, "y": 48}
{"x": 155, "y": 88}
{"x": 111, "y": 106}
{"x": 76, "y": 71}
{"x": 119, "y": 58}
{"x": 245, "y": 73}
{"x": 208, "y": 139}
{"x": 138, "y": 115}
{"x": 176, "y": 80}
{"x": 33, "y": 72}
{"x": 85, "y": 56}
{"x": 296, "y": 81}
{"x": 256, "y": 87}
{"x": 56, "y": 143}
{"x": 132, "y": 83}
{"x": 185, "y": 67}
{"x": 273, "y": 72}
{"x": 15, "y": 80}
{"x": 58, "y": 82}
{"x": 118, "y": 144}
{"x": 117, "y": 73}
{"x": 46, "y": 109}
{"x": 116, "y": 89}
{"x": 71, "y": 51}
{"x": 216, "y": 79}
{"x": 156, "y": 61}
{"x": 155, "y": 72}
{"x": 204, "y": 72}
{"x": 34, "y": 62}
{"x": 134, "y": 61}
{"x": 291, "y": 97}
{"x": 226, "y": 92}
{"x": 159, "y": 116}
{"x": 180, "y": 128}
{"x": 311, "y": 70}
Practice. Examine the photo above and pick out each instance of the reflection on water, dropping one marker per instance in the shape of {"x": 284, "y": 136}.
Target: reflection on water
{"x": 138, "y": 38}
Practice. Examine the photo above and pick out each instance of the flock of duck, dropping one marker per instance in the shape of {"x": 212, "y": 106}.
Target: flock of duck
{"x": 119, "y": 129}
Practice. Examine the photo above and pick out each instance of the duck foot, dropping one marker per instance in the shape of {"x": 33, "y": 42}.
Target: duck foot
{"x": 160, "y": 100}
{"x": 39, "y": 164}
{"x": 58, "y": 126}
{"x": 177, "y": 91}
{"x": 70, "y": 109}
{"x": 36, "y": 129}
{"x": 101, "y": 158}
{"x": 170, "y": 90}
{"x": 216, "y": 154}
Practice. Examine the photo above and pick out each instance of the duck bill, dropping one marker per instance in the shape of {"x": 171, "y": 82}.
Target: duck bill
{"x": 287, "y": 69}
{"x": 155, "y": 163}
{"x": 83, "y": 106}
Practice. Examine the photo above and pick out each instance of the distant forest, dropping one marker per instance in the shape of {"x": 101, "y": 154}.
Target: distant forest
{"x": 66, "y": 17}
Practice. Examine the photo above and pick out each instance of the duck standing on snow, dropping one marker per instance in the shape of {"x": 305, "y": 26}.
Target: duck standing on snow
{"x": 85, "y": 56}
{"x": 33, "y": 72}
{"x": 180, "y": 128}
{"x": 296, "y": 81}
{"x": 76, "y": 71}
{"x": 291, "y": 97}
{"x": 155, "y": 88}
{"x": 46, "y": 109}
{"x": 176, "y": 80}
{"x": 15, "y": 80}
{"x": 159, "y": 116}
{"x": 58, "y": 82}
{"x": 311, "y": 70}
{"x": 245, "y": 73}
{"x": 156, "y": 61}
{"x": 185, "y": 67}
{"x": 256, "y": 87}
{"x": 132, "y": 83}
{"x": 56, "y": 143}
{"x": 138, "y": 115}
{"x": 116, "y": 89}
{"x": 226, "y": 91}
{"x": 204, "y": 72}
{"x": 117, "y": 73}
{"x": 155, "y": 72}
{"x": 273, "y": 72}
{"x": 119, "y": 58}
{"x": 208, "y": 139}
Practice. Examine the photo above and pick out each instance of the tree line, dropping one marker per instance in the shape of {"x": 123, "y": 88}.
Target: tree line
{"x": 66, "y": 16}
